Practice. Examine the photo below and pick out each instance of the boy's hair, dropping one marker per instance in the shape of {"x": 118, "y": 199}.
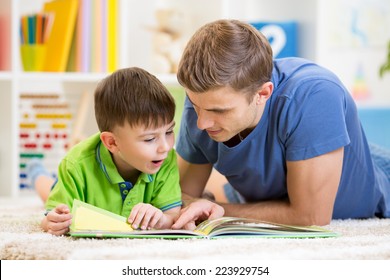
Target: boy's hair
{"x": 226, "y": 53}
{"x": 134, "y": 96}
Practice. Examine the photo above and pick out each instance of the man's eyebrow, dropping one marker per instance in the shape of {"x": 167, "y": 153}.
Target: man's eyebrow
{"x": 219, "y": 110}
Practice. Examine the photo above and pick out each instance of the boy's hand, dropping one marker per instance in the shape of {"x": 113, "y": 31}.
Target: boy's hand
{"x": 146, "y": 216}
{"x": 58, "y": 220}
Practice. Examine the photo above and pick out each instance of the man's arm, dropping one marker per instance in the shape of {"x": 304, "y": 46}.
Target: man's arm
{"x": 312, "y": 186}
{"x": 193, "y": 178}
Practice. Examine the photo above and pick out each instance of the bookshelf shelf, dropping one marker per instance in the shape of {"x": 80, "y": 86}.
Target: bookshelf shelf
{"x": 169, "y": 79}
{"x": 5, "y": 76}
{"x": 62, "y": 77}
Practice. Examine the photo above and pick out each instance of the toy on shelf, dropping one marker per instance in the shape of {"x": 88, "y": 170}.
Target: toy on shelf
{"x": 50, "y": 123}
{"x": 169, "y": 39}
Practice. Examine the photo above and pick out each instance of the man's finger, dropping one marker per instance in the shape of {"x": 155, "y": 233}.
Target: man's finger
{"x": 185, "y": 218}
{"x": 190, "y": 226}
{"x": 216, "y": 212}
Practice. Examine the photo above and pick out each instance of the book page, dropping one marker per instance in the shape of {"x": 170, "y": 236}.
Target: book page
{"x": 87, "y": 217}
{"x": 242, "y": 226}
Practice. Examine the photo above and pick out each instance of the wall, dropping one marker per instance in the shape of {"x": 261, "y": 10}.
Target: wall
{"x": 352, "y": 42}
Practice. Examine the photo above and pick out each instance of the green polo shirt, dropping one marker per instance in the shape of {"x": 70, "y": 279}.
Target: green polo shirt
{"x": 89, "y": 174}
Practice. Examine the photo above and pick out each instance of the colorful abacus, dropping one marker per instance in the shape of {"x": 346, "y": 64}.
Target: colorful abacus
{"x": 45, "y": 129}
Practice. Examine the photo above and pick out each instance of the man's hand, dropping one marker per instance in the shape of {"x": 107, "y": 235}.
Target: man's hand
{"x": 58, "y": 220}
{"x": 198, "y": 211}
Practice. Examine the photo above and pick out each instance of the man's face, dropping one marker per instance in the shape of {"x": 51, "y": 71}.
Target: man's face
{"x": 224, "y": 112}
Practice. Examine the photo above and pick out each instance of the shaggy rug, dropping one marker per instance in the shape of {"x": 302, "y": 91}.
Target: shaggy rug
{"x": 22, "y": 239}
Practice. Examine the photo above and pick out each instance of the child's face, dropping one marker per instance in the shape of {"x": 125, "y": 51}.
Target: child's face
{"x": 143, "y": 149}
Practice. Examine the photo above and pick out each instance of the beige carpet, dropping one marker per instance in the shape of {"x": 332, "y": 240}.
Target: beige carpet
{"x": 21, "y": 238}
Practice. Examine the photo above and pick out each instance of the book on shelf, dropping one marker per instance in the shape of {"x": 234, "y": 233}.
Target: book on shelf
{"x": 95, "y": 40}
{"x": 112, "y": 35}
{"x": 72, "y": 36}
{"x": 5, "y": 39}
{"x": 59, "y": 42}
{"x": 92, "y": 221}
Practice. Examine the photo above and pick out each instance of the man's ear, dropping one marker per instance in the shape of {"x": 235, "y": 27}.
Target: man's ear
{"x": 108, "y": 139}
{"x": 264, "y": 93}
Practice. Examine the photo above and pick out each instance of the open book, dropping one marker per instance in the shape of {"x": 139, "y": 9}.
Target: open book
{"x": 91, "y": 221}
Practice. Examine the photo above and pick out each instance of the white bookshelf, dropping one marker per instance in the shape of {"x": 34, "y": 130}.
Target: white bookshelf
{"x": 135, "y": 48}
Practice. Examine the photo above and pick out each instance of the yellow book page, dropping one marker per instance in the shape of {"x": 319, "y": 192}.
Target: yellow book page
{"x": 87, "y": 219}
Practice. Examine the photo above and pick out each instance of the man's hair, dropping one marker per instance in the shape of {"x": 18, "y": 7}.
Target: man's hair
{"x": 134, "y": 96}
{"x": 226, "y": 53}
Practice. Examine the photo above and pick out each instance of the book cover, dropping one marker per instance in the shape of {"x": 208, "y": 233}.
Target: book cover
{"x": 59, "y": 41}
{"x": 71, "y": 64}
{"x": 96, "y": 36}
{"x": 84, "y": 30}
{"x": 112, "y": 35}
{"x": 104, "y": 36}
{"x": 91, "y": 221}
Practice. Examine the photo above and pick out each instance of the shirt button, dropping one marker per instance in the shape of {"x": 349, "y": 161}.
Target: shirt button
{"x": 123, "y": 185}
{"x": 125, "y": 192}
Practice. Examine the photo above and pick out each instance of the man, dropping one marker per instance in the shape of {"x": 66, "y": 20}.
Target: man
{"x": 285, "y": 133}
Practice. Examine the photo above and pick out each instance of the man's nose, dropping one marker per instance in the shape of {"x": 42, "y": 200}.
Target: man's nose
{"x": 204, "y": 121}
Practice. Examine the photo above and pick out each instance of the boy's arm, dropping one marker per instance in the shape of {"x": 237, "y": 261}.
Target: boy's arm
{"x": 70, "y": 185}
{"x": 60, "y": 200}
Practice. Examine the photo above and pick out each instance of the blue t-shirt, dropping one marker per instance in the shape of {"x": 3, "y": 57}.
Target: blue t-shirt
{"x": 309, "y": 113}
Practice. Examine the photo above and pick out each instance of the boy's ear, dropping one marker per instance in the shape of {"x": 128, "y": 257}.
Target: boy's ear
{"x": 264, "y": 93}
{"x": 108, "y": 139}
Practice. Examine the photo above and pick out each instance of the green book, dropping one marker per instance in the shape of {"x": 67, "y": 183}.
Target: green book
{"x": 91, "y": 221}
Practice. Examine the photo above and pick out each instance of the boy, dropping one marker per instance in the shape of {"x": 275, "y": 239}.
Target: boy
{"x": 129, "y": 168}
